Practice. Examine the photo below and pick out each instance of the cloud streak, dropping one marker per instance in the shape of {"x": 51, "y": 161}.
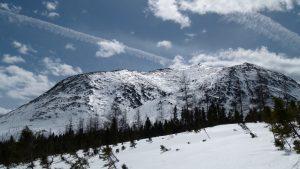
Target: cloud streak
{"x": 266, "y": 26}
{"x": 73, "y": 34}
{"x": 243, "y": 12}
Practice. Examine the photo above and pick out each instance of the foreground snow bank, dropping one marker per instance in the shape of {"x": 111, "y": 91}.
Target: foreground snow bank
{"x": 229, "y": 147}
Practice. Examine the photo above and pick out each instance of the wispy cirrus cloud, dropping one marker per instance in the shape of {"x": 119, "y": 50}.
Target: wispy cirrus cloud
{"x": 245, "y": 13}
{"x": 57, "y": 68}
{"x": 266, "y": 26}
{"x": 73, "y": 34}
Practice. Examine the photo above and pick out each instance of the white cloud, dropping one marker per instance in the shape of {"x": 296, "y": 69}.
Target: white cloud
{"x": 191, "y": 35}
{"x": 23, "y": 48}
{"x": 110, "y": 48}
{"x": 51, "y": 6}
{"x": 178, "y": 62}
{"x": 7, "y": 58}
{"x": 56, "y": 68}
{"x": 18, "y": 83}
{"x": 70, "y": 46}
{"x": 168, "y": 10}
{"x": 261, "y": 56}
{"x": 233, "y": 6}
{"x": 10, "y": 7}
{"x": 244, "y": 12}
{"x": 165, "y": 44}
{"x": 3, "y": 110}
{"x": 53, "y": 15}
{"x": 172, "y": 10}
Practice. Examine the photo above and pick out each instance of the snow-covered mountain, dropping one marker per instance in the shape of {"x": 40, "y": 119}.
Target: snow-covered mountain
{"x": 93, "y": 94}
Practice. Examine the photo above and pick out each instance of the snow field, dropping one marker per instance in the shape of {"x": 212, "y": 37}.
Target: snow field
{"x": 230, "y": 147}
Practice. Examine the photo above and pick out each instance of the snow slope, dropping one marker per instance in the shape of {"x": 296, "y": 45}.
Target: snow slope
{"x": 229, "y": 147}
{"x": 93, "y": 94}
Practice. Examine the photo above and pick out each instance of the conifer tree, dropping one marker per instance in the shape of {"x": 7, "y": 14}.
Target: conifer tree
{"x": 147, "y": 128}
{"x": 137, "y": 119}
{"x": 261, "y": 91}
{"x": 160, "y": 110}
{"x": 26, "y": 143}
{"x": 175, "y": 114}
{"x": 114, "y": 131}
{"x": 108, "y": 156}
{"x": 45, "y": 162}
{"x": 280, "y": 124}
{"x": 185, "y": 90}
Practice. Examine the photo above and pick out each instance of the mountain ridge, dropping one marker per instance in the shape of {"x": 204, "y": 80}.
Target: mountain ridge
{"x": 93, "y": 94}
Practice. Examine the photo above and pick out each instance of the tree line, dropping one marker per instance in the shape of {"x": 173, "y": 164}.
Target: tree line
{"x": 85, "y": 135}
{"x": 283, "y": 119}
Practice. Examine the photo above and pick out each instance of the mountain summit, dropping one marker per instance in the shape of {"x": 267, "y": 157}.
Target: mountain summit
{"x": 241, "y": 87}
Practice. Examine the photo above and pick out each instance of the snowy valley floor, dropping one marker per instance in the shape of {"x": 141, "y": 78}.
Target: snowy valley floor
{"x": 229, "y": 147}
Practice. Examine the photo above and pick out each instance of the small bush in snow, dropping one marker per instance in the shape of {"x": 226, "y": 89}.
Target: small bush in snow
{"x": 132, "y": 143}
{"x": 124, "y": 166}
{"x": 123, "y": 148}
{"x": 163, "y": 149}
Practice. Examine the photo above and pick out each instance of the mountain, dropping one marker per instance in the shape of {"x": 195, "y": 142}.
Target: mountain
{"x": 94, "y": 94}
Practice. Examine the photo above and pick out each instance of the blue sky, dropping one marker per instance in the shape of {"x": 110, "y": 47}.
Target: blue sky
{"x": 43, "y": 42}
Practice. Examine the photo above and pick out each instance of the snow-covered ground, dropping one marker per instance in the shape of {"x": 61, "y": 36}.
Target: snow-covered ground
{"x": 229, "y": 147}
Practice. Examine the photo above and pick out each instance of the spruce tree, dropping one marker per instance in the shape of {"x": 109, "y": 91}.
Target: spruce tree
{"x": 147, "y": 128}
{"x": 114, "y": 131}
{"x": 108, "y": 156}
